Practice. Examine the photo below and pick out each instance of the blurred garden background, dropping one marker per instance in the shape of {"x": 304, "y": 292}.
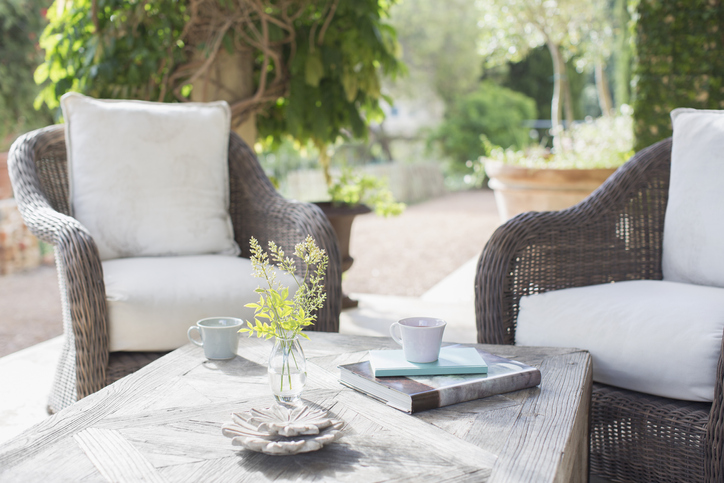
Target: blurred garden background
{"x": 377, "y": 82}
{"x": 415, "y": 93}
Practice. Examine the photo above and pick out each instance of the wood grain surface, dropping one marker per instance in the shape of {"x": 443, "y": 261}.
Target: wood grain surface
{"x": 163, "y": 423}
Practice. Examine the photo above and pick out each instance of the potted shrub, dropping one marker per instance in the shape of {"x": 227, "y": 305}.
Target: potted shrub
{"x": 539, "y": 179}
{"x": 352, "y": 194}
{"x": 494, "y": 111}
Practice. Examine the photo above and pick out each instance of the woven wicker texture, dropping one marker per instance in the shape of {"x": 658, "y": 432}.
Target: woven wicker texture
{"x": 613, "y": 235}
{"x": 629, "y": 430}
{"x": 121, "y": 364}
{"x": 38, "y": 172}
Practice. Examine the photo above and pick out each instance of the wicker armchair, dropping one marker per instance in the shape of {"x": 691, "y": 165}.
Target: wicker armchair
{"x": 613, "y": 235}
{"x": 38, "y": 171}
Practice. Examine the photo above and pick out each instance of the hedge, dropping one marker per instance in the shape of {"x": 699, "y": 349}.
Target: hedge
{"x": 680, "y": 62}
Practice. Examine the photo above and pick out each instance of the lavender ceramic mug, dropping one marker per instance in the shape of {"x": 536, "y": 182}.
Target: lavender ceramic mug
{"x": 420, "y": 337}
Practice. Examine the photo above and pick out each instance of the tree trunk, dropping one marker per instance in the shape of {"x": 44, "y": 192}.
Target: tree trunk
{"x": 230, "y": 78}
{"x": 556, "y": 99}
{"x": 622, "y": 53}
{"x": 566, "y": 94}
{"x": 604, "y": 93}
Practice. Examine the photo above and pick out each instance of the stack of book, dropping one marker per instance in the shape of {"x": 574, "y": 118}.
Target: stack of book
{"x": 460, "y": 374}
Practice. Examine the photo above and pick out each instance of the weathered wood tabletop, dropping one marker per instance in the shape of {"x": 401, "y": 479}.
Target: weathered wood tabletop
{"x": 163, "y": 423}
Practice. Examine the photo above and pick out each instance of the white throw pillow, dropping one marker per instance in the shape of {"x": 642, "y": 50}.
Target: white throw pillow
{"x": 148, "y": 178}
{"x": 693, "y": 244}
{"x": 152, "y": 301}
{"x": 656, "y": 337}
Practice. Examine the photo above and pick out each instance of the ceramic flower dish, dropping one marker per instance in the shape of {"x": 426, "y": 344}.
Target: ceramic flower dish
{"x": 282, "y": 431}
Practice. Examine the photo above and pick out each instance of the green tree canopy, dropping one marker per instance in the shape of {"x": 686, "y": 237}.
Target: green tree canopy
{"x": 439, "y": 47}
{"x": 316, "y": 71}
{"x": 511, "y": 28}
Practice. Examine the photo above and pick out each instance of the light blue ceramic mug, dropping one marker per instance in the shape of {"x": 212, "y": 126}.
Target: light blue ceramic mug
{"x": 219, "y": 336}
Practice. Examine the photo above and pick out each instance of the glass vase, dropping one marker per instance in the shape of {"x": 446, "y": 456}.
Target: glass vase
{"x": 287, "y": 370}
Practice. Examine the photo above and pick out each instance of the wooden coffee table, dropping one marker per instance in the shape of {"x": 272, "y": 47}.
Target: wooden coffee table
{"x": 163, "y": 423}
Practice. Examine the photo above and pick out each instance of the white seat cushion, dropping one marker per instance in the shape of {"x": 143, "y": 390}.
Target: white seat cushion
{"x": 656, "y": 337}
{"x": 152, "y": 301}
{"x": 148, "y": 178}
{"x": 693, "y": 243}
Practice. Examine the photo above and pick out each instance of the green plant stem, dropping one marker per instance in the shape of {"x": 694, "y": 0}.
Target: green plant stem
{"x": 285, "y": 364}
{"x": 287, "y": 344}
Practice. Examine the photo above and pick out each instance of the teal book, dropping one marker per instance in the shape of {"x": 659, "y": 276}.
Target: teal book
{"x": 452, "y": 360}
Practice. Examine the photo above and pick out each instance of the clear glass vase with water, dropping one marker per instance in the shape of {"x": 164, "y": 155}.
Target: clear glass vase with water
{"x": 287, "y": 370}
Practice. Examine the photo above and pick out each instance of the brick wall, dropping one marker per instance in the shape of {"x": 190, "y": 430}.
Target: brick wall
{"x": 19, "y": 249}
{"x": 6, "y": 190}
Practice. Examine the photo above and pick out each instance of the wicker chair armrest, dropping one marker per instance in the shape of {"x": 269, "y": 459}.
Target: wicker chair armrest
{"x": 258, "y": 210}
{"x": 77, "y": 259}
{"x": 613, "y": 235}
{"x": 42, "y": 219}
{"x": 714, "y": 447}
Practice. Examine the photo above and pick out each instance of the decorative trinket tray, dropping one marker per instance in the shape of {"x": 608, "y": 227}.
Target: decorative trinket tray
{"x": 278, "y": 430}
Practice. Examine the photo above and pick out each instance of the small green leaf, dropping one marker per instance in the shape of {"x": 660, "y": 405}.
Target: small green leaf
{"x": 350, "y": 84}
{"x": 41, "y": 74}
{"x": 313, "y": 69}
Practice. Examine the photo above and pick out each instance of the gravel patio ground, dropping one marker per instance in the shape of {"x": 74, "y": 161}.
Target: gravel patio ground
{"x": 405, "y": 255}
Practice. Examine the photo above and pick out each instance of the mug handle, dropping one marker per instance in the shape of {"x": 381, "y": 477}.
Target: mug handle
{"x": 188, "y": 333}
{"x": 393, "y": 335}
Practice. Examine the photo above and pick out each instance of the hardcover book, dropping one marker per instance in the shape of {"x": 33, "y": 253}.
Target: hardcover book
{"x": 418, "y": 393}
{"x": 452, "y": 360}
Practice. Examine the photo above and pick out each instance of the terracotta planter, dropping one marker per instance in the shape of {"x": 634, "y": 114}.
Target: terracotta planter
{"x": 341, "y": 218}
{"x": 6, "y": 191}
{"x": 518, "y": 190}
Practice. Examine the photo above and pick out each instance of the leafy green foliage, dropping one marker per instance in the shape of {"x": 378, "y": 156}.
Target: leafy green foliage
{"x": 606, "y": 142}
{"x": 493, "y": 111}
{"x": 353, "y": 188}
{"x": 679, "y": 47}
{"x": 533, "y": 76}
{"x": 439, "y": 48}
{"x": 21, "y": 23}
{"x": 568, "y": 28}
{"x": 134, "y": 47}
{"x": 143, "y": 50}
{"x": 336, "y": 85}
{"x": 513, "y": 27}
{"x": 287, "y": 318}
